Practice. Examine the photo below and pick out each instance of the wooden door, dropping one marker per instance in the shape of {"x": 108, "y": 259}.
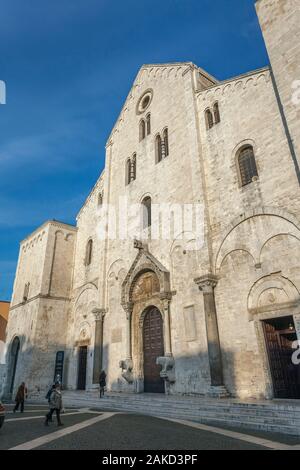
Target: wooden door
{"x": 284, "y": 373}
{"x": 153, "y": 347}
{"x": 291, "y": 370}
{"x": 81, "y": 380}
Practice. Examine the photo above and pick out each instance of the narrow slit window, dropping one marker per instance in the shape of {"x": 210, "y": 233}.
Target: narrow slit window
{"x": 158, "y": 149}
{"x": 148, "y": 124}
{"x": 217, "y": 117}
{"x": 146, "y": 212}
{"x": 209, "y": 119}
{"x": 89, "y": 253}
{"x": 142, "y": 129}
{"x": 166, "y": 142}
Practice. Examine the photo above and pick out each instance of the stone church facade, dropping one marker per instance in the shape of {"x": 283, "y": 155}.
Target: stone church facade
{"x": 167, "y": 315}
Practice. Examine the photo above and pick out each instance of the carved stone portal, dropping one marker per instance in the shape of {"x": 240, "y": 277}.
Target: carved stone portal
{"x": 146, "y": 285}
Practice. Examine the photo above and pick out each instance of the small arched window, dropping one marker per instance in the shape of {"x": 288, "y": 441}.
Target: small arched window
{"x": 158, "y": 149}
{"x": 100, "y": 200}
{"x": 148, "y": 124}
{"x": 209, "y": 119}
{"x": 142, "y": 129}
{"x": 247, "y": 165}
{"x": 133, "y": 167}
{"x": 89, "y": 252}
{"x": 146, "y": 212}
{"x": 128, "y": 171}
{"x": 26, "y": 291}
{"x": 217, "y": 113}
{"x": 166, "y": 142}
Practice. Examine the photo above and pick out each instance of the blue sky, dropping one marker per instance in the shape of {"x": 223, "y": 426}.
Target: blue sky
{"x": 68, "y": 67}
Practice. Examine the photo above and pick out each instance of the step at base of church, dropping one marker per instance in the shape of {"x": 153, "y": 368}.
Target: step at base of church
{"x": 271, "y": 416}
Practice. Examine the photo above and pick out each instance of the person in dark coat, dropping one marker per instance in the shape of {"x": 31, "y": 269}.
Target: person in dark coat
{"x": 102, "y": 382}
{"x": 48, "y": 395}
{"x": 20, "y": 397}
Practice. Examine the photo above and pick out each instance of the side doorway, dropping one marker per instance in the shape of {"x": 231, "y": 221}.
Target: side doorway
{"x": 82, "y": 362}
{"x": 280, "y": 334}
{"x": 153, "y": 343}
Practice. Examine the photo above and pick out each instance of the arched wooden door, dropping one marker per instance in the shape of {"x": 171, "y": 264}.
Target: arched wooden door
{"x": 153, "y": 343}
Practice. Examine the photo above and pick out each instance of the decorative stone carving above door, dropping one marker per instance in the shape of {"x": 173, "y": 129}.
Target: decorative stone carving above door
{"x": 145, "y": 287}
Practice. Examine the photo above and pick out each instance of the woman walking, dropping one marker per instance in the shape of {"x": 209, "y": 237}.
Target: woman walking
{"x": 55, "y": 404}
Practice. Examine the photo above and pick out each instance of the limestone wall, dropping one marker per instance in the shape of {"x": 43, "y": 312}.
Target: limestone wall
{"x": 279, "y": 20}
{"x": 254, "y": 229}
{"x": 30, "y": 265}
{"x": 176, "y": 179}
{"x": 250, "y": 233}
{"x": 40, "y": 321}
{"x": 87, "y": 223}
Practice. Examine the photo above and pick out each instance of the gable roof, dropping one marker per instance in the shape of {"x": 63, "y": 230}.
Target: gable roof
{"x": 168, "y": 65}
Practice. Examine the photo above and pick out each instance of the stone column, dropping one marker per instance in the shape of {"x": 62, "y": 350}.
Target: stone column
{"x": 99, "y": 314}
{"x": 128, "y": 310}
{"x": 127, "y": 365}
{"x": 207, "y": 284}
{"x": 168, "y": 345}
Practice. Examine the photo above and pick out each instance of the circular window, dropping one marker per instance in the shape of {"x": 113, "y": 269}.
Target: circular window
{"x": 144, "y": 101}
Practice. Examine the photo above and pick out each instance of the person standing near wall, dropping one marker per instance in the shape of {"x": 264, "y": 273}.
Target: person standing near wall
{"x": 20, "y": 397}
{"x": 102, "y": 383}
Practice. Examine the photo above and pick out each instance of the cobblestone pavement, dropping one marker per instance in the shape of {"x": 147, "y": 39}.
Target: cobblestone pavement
{"x": 86, "y": 428}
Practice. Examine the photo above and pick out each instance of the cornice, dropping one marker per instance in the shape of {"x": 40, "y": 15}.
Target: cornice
{"x": 234, "y": 81}
{"x": 94, "y": 188}
{"x": 154, "y": 69}
{"x": 56, "y": 223}
{"x": 39, "y": 296}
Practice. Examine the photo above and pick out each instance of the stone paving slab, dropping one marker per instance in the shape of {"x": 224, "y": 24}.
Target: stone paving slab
{"x": 17, "y": 432}
{"x": 132, "y": 432}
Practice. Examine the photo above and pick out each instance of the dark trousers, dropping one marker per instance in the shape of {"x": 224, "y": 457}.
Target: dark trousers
{"x": 17, "y": 405}
{"x": 49, "y": 415}
{"x": 101, "y": 391}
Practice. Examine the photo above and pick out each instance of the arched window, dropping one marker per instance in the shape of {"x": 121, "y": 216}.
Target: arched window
{"x": 89, "y": 252}
{"x": 217, "y": 113}
{"x": 26, "y": 291}
{"x": 146, "y": 212}
{"x": 209, "y": 119}
{"x": 148, "y": 122}
{"x": 128, "y": 171}
{"x": 133, "y": 167}
{"x": 158, "y": 149}
{"x": 142, "y": 129}
{"x": 247, "y": 165}
{"x": 14, "y": 353}
{"x": 100, "y": 199}
{"x": 166, "y": 142}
